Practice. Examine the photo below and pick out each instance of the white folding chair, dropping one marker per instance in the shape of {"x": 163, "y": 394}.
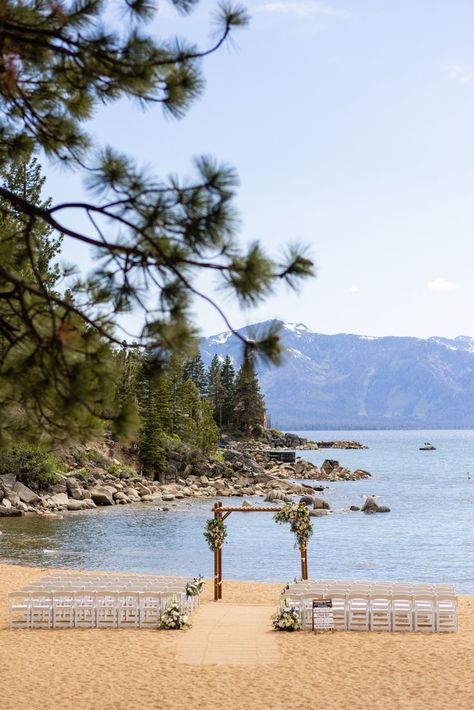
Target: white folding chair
{"x": 358, "y": 612}
{"x": 106, "y": 609}
{"x": 41, "y": 604}
{"x": 339, "y": 609}
{"x": 63, "y": 609}
{"x": 150, "y": 609}
{"x": 128, "y": 609}
{"x": 402, "y": 612}
{"x": 19, "y": 609}
{"x": 446, "y": 613}
{"x": 380, "y": 612}
{"x": 424, "y": 612}
{"x": 85, "y": 609}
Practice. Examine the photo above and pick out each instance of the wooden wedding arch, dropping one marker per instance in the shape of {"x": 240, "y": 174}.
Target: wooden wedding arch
{"x": 221, "y": 513}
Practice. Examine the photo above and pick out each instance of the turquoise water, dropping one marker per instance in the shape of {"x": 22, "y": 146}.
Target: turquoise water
{"x": 429, "y": 534}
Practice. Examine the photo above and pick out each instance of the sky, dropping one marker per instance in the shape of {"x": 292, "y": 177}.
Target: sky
{"x": 351, "y": 126}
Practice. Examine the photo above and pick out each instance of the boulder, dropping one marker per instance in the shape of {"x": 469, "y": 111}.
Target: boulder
{"x": 25, "y": 494}
{"x": 371, "y": 506}
{"x": 75, "y": 504}
{"x": 9, "y": 512}
{"x": 321, "y": 504}
{"x": 318, "y": 513}
{"x": 102, "y": 495}
{"x": 89, "y": 503}
{"x": 360, "y": 473}
{"x": 120, "y": 497}
{"x": 307, "y": 500}
{"x": 60, "y": 500}
{"x": 354, "y": 507}
{"x": 8, "y": 480}
{"x": 6, "y": 503}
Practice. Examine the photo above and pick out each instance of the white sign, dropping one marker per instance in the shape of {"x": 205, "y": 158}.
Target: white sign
{"x": 322, "y": 614}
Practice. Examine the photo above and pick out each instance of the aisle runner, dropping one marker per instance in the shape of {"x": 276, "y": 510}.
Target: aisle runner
{"x": 229, "y": 634}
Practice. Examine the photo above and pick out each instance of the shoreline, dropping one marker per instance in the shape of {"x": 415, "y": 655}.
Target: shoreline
{"x": 141, "y": 669}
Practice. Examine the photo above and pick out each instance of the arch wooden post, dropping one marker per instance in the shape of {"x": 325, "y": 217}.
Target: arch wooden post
{"x": 221, "y": 513}
{"x": 304, "y": 562}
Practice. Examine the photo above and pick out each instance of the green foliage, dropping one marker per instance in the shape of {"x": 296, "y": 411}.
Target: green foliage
{"x": 195, "y": 371}
{"x": 215, "y": 533}
{"x": 96, "y": 457}
{"x": 61, "y": 375}
{"x": 297, "y": 515}
{"x": 31, "y": 465}
{"x": 122, "y": 470}
{"x": 249, "y": 407}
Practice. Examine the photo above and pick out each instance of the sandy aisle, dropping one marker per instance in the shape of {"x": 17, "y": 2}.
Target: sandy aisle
{"x": 137, "y": 669}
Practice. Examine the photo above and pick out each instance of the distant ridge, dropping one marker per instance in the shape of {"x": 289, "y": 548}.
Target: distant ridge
{"x": 362, "y": 382}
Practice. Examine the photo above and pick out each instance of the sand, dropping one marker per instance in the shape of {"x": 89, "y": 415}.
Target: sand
{"x": 201, "y": 668}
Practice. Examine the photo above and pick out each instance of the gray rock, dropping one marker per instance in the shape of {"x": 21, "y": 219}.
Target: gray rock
{"x": 60, "y": 500}
{"x": 354, "y": 507}
{"x": 319, "y": 513}
{"x": 8, "y": 480}
{"x": 383, "y": 509}
{"x": 121, "y": 497}
{"x": 89, "y": 503}
{"x": 9, "y": 512}
{"x": 168, "y": 498}
{"x": 76, "y": 504}
{"x": 25, "y": 494}
{"x": 321, "y": 504}
{"x": 101, "y": 495}
{"x": 14, "y": 498}
{"x": 307, "y": 500}
{"x": 6, "y": 503}
{"x": 370, "y": 505}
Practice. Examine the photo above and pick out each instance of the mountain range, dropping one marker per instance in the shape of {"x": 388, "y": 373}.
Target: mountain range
{"x": 350, "y": 381}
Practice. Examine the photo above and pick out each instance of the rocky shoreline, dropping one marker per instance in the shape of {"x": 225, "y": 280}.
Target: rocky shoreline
{"x": 243, "y": 469}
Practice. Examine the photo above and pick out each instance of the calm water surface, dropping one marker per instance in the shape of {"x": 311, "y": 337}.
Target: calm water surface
{"x": 429, "y": 534}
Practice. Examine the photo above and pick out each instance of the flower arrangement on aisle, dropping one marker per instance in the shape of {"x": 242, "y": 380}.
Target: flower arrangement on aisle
{"x": 298, "y": 516}
{"x": 286, "y": 619}
{"x": 215, "y": 533}
{"x": 194, "y": 588}
{"x": 174, "y": 618}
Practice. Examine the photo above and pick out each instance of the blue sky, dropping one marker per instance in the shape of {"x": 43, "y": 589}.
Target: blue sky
{"x": 351, "y": 125}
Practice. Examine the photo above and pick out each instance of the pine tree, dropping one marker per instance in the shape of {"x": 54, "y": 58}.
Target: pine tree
{"x": 195, "y": 371}
{"x": 57, "y": 378}
{"x": 59, "y": 63}
{"x": 215, "y": 389}
{"x": 249, "y": 404}
{"x": 228, "y": 390}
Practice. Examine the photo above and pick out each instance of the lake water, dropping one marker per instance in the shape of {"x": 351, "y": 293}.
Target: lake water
{"x": 428, "y": 535}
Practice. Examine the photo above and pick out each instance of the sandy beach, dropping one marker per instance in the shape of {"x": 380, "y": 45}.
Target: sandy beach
{"x": 217, "y": 665}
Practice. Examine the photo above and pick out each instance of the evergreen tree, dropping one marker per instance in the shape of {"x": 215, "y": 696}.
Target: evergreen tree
{"x": 228, "y": 391}
{"x": 59, "y": 62}
{"x": 215, "y": 389}
{"x": 195, "y": 371}
{"x": 57, "y": 378}
{"x": 249, "y": 405}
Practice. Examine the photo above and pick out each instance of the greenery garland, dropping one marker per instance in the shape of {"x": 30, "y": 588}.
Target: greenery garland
{"x": 215, "y": 533}
{"x": 298, "y": 516}
{"x": 195, "y": 587}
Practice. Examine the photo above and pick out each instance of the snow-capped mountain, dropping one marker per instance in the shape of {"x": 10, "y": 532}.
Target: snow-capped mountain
{"x": 357, "y": 381}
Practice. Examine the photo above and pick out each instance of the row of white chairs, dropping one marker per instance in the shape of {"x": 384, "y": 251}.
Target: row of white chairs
{"x": 79, "y": 608}
{"x": 379, "y": 611}
{"x": 324, "y": 585}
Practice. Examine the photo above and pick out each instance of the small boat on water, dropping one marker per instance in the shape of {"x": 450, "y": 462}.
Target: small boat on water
{"x": 428, "y": 447}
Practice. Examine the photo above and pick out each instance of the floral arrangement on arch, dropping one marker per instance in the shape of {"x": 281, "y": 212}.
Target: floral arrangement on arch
{"x": 298, "y": 516}
{"x": 195, "y": 587}
{"x": 286, "y": 619}
{"x": 174, "y": 618}
{"x": 215, "y": 533}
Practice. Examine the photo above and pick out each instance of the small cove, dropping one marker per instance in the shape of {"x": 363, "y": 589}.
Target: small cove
{"x": 428, "y": 535}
